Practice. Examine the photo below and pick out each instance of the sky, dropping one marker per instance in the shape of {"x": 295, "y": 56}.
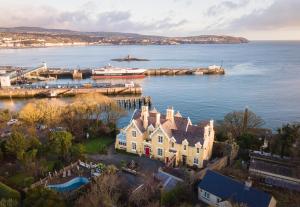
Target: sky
{"x": 253, "y": 19}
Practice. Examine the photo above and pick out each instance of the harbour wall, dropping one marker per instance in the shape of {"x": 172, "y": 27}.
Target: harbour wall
{"x": 65, "y": 92}
{"x": 87, "y": 73}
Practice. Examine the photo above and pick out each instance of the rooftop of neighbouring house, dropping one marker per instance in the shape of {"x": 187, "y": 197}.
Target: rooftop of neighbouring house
{"x": 274, "y": 164}
{"x": 168, "y": 180}
{"x": 179, "y": 127}
{"x": 229, "y": 189}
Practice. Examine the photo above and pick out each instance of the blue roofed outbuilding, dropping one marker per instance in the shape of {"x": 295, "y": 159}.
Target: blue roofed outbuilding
{"x": 216, "y": 188}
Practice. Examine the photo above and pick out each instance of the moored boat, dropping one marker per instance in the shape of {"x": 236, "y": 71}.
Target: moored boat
{"x": 117, "y": 72}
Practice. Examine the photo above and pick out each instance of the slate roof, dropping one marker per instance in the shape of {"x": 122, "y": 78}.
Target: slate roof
{"x": 228, "y": 189}
{"x": 180, "y": 128}
{"x": 274, "y": 164}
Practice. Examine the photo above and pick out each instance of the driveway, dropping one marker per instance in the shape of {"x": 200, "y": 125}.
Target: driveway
{"x": 146, "y": 165}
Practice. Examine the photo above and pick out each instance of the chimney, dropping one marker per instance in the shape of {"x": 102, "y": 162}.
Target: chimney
{"x": 157, "y": 119}
{"x": 248, "y": 183}
{"x": 144, "y": 116}
{"x": 170, "y": 114}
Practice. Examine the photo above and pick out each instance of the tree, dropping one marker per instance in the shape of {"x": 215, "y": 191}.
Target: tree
{"x": 106, "y": 191}
{"x": 288, "y": 138}
{"x": 61, "y": 143}
{"x": 89, "y": 112}
{"x": 147, "y": 193}
{"x": 42, "y": 112}
{"x": 239, "y": 122}
{"x": 78, "y": 151}
{"x": 17, "y": 145}
{"x": 43, "y": 197}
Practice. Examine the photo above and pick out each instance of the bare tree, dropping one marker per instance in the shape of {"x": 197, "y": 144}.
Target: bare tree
{"x": 239, "y": 122}
{"x": 106, "y": 191}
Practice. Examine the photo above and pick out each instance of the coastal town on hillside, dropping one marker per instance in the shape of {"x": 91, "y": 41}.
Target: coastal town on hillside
{"x": 39, "y": 37}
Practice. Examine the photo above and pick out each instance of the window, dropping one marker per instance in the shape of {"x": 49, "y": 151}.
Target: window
{"x": 160, "y": 139}
{"x": 196, "y": 161}
{"x": 173, "y": 144}
{"x": 184, "y": 147}
{"x": 122, "y": 143}
{"x": 133, "y": 146}
{"x": 198, "y": 150}
{"x": 206, "y": 195}
{"x": 133, "y": 133}
{"x": 159, "y": 152}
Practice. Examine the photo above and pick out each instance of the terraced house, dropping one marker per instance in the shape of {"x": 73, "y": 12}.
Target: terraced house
{"x": 170, "y": 138}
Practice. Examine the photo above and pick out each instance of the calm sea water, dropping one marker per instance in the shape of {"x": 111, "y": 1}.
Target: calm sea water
{"x": 264, "y": 76}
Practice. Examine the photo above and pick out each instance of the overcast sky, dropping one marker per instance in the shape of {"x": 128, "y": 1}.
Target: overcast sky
{"x": 253, "y": 19}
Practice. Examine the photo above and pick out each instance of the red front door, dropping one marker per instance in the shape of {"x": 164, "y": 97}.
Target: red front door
{"x": 147, "y": 151}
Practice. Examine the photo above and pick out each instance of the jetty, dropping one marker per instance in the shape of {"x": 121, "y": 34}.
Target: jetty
{"x": 67, "y": 90}
{"x": 133, "y": 102}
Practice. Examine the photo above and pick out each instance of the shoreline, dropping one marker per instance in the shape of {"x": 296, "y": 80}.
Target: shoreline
{"x": 97, "y": 45}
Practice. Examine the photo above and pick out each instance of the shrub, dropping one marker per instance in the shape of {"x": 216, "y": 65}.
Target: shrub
{"x": 8, "y": 192}
{"x": 9, "y": 202}
{"x": 102, "y": 149}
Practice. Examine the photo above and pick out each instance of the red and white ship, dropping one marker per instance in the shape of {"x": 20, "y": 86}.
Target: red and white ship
{"x": 117, "y": 72}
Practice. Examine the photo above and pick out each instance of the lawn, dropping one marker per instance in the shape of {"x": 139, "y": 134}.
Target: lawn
{"x": 98, "y": 145}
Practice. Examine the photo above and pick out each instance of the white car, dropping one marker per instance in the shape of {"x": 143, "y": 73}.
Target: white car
{"x": 12, "y": 122}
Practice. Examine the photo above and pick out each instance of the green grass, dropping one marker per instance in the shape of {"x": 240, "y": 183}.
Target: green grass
{"x": 8, "y": 192}
{"x": 21, "y": 180}
{"x": 98, "y": 145}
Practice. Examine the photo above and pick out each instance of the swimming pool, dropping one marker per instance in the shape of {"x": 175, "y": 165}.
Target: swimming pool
{"x": 70, "y": 185}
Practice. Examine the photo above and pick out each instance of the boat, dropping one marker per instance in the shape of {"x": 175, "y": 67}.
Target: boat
{"x": 117, "y": 72}
{"x": 129, "y": 58}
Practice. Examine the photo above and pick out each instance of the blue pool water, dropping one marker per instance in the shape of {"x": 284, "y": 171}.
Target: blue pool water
{"x": 70, "y": 185}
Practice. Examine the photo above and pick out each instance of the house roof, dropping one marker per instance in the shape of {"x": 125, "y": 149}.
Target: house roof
{"x": 274, "y": 164}
{"x": 227, "y": 188}
{"x": 181, "y": 128}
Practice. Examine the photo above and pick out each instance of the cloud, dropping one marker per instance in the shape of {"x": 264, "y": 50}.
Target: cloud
{"x": 280, "y": 14}
{"x": 86, "y": 19}
{"x": 224, "y": 6}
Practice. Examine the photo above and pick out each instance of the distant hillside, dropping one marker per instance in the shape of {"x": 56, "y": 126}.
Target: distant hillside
{"x": 41, "y": 37}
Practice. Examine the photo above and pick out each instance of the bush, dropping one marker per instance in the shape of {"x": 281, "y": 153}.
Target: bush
{"x": 58, "y": 165}
{"x": 102, "y": 149}
{"x": 174, "y": 196}
{"x": 45, "y": 197}
{"x": 78, "y": 151}
{"x": 8, "y": 192}
{"x": 9, "y": 202}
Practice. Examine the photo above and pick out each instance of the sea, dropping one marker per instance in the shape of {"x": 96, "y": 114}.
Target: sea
{"x": 261, "y": 75}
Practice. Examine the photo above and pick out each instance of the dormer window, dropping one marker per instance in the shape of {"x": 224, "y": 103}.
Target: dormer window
{"x": 198, "y": 150}
{"x": 184, "y": 147}
{"x": 172, "y": 144}
{"x": 160, "y": 139}
{"x": 133, "y": 133}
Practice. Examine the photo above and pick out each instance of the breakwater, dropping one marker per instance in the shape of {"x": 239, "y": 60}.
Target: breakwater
{"x": 68, "y": 90}
{"x": 87, "y": 73}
